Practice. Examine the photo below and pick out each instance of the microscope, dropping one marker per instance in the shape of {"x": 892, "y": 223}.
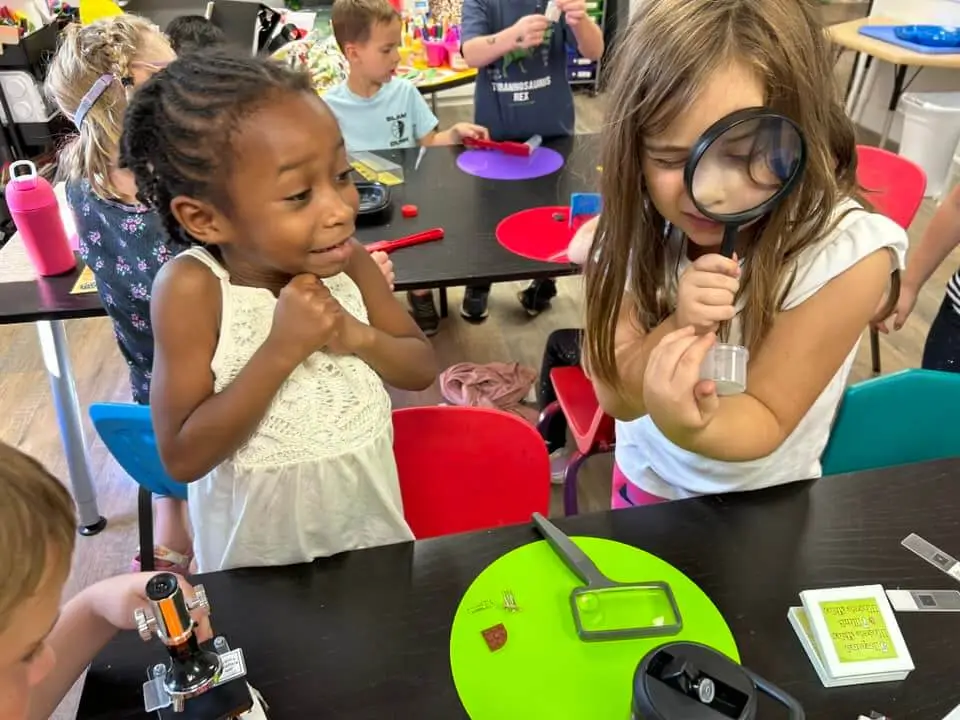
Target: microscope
{"x": 200, "y": 681}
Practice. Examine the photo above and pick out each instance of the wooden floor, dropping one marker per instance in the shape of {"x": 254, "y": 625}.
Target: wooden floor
{"x": 29, "y": 422}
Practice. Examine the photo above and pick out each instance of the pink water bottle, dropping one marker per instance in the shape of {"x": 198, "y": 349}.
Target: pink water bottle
{"x": 34, "y": 209}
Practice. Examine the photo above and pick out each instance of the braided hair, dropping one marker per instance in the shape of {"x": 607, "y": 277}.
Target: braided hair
{"x": 85, "y": 53}
{"x": 180, "y": 125}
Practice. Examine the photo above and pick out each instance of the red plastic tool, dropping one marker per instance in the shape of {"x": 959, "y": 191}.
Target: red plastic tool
{"x": 389, "y": 246}
{"x": 506, "y": 147}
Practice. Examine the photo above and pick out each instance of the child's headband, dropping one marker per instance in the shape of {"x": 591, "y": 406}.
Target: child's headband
{"x": 91, "y": 97}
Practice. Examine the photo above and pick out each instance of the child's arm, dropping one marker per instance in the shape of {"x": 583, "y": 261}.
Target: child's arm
{"x": 196, "y": 427}
{"x": 86, "y": 624}
{"x": 632, "y": 348}
{"x": 803, "y": 351}
{"x": 705, "y": 298}
{"x": 941, "y": 237}
{"x": 455, "y": 134}
{"x": 587, "y": 33}
{"x": 391, "y": 344}
{"x": 483, "y": 46}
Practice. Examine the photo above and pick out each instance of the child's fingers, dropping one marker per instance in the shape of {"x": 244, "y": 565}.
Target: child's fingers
{"x": 714, "y": 296}
{"x": 714, "y": 263}
{"x": 670, "y": 353}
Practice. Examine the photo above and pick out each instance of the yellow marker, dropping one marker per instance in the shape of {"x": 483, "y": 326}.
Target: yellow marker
{"x": 92, "y": 10}
{"x": 389, "y": 179}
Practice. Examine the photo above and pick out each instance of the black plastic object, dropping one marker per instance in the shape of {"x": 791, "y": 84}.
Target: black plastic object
{"x": 375, "y": 203}
{"x": 222, "y": 702}
{"x": 729, "y": 152}
{"x": 690, "y": 681}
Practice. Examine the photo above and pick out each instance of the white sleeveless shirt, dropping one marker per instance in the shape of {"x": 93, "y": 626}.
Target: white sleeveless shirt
{"x": 654, "y": 464}
{"x": 318, "y": 475}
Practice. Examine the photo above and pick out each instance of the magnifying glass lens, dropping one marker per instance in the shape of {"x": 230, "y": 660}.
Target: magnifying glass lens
{"x": 746, "y": 167}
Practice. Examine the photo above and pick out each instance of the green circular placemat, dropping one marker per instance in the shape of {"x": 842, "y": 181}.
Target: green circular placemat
{"x": 544, "y": 670}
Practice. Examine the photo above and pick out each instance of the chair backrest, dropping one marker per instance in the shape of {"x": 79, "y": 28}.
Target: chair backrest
{"x": 468, "y": 468}
{"x": 892, "y": 184}
{"x": 127, "y": 431}
{"x": 587, "y": 421}
{"x": 895, "y": 419}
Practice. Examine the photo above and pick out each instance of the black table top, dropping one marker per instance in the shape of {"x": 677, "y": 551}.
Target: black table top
{"x": 365, "y": 635}
{"x": 466, "y": 207}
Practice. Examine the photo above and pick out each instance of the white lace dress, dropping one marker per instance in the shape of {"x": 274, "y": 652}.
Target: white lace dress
{"x": 318, "y": 476}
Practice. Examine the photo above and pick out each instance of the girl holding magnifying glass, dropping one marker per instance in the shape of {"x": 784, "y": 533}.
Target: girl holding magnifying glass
{"x": 801, "y": 283}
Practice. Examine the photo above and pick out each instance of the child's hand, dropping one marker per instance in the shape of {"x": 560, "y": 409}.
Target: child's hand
{"x": 706, "y": 293}
{"x": 306, "y": 318}
{"x": 385, "y": 264}
{"x": 468, "y": 130}
{"x": 116, "y": 598}
{"x": 905, "y": 304}
{"x": 351, "y": 337}
{"x": 575, "y": 10}
{"x": 528, "y": 31}
{"x": 677, "y": 400}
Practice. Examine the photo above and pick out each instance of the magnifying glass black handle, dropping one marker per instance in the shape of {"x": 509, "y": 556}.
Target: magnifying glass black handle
{"x": 729, "y": 237}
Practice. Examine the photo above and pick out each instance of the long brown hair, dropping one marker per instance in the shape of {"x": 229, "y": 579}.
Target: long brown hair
{"x": 665, "y": 57}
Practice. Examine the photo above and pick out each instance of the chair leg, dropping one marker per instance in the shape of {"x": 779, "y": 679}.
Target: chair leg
{"x": 444, "y": 308}
{"x": 546, "y": 415}
{"x": 875, "y": 350}
{"x": 570, "y": 504}
{"x": 145, "y": 521}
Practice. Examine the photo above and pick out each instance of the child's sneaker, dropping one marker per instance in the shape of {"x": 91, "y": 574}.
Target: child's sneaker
{"x": 559, "y": 459}
{"x": 167, "y": 560}
{"x": 536, "y": 297}
{"x": 424, "y": 313}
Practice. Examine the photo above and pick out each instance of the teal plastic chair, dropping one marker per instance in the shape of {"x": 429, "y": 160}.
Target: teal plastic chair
{"x": 904, "y": 417}
{"x": 127, "y": 431}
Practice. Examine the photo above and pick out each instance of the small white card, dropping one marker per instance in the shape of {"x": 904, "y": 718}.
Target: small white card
{"x": 552, "y": 12}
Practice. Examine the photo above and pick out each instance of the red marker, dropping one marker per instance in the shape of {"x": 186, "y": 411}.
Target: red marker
{"x": 389, "y": 246}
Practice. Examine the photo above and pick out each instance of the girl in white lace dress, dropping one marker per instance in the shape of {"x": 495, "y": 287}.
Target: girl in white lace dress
{"x": 275, "y": 334}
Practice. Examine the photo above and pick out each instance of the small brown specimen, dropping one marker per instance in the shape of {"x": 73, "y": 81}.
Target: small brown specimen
{"x": 495, "y": 637}
{"x": 559, "y": 217}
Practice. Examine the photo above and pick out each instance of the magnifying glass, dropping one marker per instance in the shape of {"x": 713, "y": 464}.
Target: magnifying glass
{"x": 738, "y": 171}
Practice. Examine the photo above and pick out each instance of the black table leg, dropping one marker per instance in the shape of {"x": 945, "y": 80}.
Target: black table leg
{"x": 443, "y": 302}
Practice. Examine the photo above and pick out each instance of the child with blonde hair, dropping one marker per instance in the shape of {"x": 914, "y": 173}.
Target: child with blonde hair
{"x": 803, "y": 284}
{"x": 95, "y": 70}
{"x": 44, "y": 647}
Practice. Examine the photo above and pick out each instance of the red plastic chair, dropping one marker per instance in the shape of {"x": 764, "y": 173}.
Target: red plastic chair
{"x": 895, "y": 187}
{"x": 467, "y": 468}
{"x": 591, "y": 427}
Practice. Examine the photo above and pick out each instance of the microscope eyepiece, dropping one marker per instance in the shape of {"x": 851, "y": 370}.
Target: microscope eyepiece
{"x": 162, "y": 586}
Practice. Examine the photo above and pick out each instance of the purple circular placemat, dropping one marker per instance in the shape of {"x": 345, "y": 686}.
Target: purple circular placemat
{"x": 495, "y": 165}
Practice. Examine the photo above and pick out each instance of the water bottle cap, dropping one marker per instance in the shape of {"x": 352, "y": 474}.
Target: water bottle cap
{"x": 27, "y": 180}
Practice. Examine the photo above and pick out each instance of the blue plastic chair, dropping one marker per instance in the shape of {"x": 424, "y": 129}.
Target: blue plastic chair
{"x": 895, "y": 419}
{"x": 127, "y": 431}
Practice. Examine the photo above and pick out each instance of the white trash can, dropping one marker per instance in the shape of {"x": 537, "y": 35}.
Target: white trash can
{"x": 931, "y": 132}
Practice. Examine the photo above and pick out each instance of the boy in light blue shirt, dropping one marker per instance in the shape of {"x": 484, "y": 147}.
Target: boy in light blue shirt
{"x": 396, "y": 116}
{"x": 377, "y": 111}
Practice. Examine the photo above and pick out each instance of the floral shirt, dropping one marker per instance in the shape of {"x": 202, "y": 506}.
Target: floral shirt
{"x": 125, "y": 246}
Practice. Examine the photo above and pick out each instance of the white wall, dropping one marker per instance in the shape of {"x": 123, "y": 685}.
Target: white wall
{"x": 934, "y": 12}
